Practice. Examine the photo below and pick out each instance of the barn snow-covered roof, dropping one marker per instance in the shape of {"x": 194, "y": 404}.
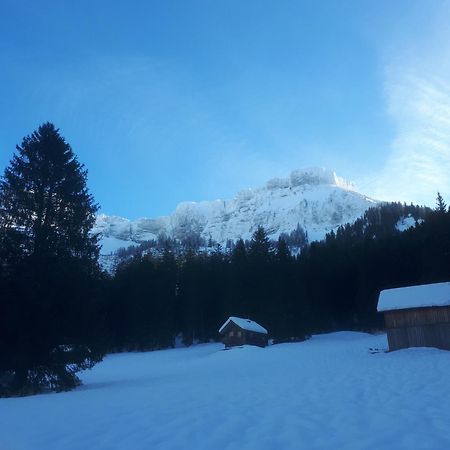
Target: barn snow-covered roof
{"x": 245, "y": 324}
{"x": 424, "y": 295}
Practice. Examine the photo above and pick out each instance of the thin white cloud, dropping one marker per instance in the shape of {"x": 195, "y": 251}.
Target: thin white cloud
{"x": 419, "y": 164}
{"x": 418, "y": 98}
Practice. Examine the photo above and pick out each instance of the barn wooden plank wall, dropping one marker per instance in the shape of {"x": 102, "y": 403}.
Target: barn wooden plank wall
{"x": 419, "y": 327}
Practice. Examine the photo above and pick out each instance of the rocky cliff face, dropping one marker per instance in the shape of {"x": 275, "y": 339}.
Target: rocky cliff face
{"x": 316, "y": 199}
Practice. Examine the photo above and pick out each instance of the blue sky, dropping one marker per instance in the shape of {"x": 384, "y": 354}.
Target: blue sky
{"x": 167, "y": 101}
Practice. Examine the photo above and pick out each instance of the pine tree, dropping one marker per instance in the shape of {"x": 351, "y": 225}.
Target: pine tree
{"x": 44, "y": 195}
{"x": 282, "y": 251}
{"x": 441, "y": 206}
{"x": 236, "y": 303}
{"x": 260, "y": 277}
{"x": 260, "y": 248}
{"x": 50, "y": 266}
{"x": 239, "y": 253}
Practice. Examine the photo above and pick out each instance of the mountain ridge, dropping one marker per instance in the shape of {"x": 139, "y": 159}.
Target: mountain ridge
{"x": 316, "y": 199}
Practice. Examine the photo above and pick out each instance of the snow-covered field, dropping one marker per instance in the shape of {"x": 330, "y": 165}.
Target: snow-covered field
{"x": 328, "y": 393}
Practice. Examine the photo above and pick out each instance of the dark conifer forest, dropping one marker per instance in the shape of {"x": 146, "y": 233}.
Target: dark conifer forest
{"x": 331, "y": 285}
{"x": 59, "y": 313}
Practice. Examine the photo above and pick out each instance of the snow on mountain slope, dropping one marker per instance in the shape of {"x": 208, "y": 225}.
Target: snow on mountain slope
{"x": 316, "y": 199}
{"x": 325, "y": 393}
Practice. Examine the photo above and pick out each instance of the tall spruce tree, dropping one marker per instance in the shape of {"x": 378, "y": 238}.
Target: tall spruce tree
{"x": 49, "y": 267}
{"x": 260, "y": 248}
{"x": 441, "y": 206}
{"x": 261, "y": 280}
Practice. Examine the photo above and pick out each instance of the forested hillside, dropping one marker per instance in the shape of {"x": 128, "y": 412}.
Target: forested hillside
{"x": 331, "y": 285}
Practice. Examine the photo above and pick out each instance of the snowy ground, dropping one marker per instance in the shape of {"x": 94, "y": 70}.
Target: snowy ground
{"x": 326, "y": 393}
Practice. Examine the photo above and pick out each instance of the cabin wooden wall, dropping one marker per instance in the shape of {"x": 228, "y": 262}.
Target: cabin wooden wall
{"x": 253, "y": 338}
{"x": 233, "y": 336}
{"x": 418, "y": 327}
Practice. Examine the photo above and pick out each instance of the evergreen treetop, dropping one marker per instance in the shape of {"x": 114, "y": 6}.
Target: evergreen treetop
{"x": 43, "y": 195}
{"x": 260, "y": 247}
{"x": 441, "y": 206}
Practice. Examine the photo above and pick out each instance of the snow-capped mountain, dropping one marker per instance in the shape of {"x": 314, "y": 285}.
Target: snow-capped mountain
{"x": 316, "y": 199}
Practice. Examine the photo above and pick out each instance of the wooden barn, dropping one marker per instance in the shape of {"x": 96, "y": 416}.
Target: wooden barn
{"x": 417, "y": 316}
{"x": 236, "y": 331}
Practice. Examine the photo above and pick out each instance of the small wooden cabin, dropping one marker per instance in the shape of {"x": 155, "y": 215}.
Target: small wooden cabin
{"x": 237, "y": 331}
{"x": 417, "y": 316}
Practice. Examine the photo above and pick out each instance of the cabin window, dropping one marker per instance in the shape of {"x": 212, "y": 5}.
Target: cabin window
{"x": 231, "y": 333}
{"x": 239, "y": 334}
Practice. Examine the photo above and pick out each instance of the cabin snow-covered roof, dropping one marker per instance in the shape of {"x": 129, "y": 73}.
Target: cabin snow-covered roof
{"x": 245, "y": 324}
{"x": 424, "y": 295}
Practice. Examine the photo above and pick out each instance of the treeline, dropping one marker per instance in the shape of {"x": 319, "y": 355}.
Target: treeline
{"x": 193, "y": 241}
{"x": 330, "y": 285}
